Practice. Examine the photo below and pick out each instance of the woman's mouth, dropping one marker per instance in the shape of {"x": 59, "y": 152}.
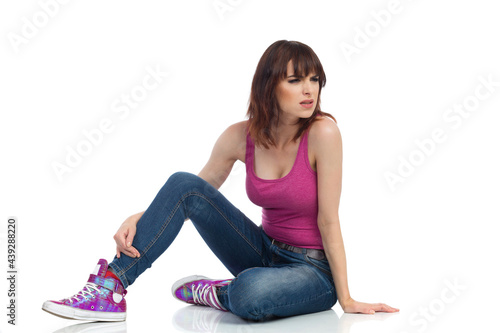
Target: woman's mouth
{"x": 308, "y": 103}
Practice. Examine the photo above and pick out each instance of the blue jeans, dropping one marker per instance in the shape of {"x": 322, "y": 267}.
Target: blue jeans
{"x": 269, "y": 281}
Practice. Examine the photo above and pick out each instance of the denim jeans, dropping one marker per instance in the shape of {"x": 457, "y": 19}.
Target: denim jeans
{"x": 269, "y": 281}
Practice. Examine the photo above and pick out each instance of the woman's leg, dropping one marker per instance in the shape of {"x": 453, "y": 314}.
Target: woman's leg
{"x": 265, "y": 292}
{"x": 234, "y": 238}
{"x": 289, "y": 284}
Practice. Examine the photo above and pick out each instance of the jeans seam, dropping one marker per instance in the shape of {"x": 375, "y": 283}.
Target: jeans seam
{"x": 330, "y": 291}
{"x": 227, "y": 220}
{"x": 169, "y": 218}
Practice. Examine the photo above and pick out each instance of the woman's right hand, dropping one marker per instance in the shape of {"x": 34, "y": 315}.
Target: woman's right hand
{"x": 125, "y": 235}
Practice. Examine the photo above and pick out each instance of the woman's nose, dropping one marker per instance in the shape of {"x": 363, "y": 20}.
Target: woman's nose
{"x": 306, "y": 88}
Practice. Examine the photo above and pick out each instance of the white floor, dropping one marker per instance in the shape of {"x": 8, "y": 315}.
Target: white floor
{"x": 203, "y": 319}
{"x": 453, "y": 317}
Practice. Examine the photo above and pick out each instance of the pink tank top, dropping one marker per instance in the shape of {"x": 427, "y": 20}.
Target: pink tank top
{"x": 289, "y": 204}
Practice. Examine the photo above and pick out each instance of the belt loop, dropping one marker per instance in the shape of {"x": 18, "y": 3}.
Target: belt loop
{"x": 272, "y": 242}
{"x": 304, "y": 251}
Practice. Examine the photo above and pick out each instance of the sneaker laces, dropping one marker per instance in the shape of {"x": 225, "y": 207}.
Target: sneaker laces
{"x": 88, "y": 289}
{"x": 206, "y": 295}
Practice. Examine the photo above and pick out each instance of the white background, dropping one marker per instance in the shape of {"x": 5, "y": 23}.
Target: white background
{"x": 404, "y": 245}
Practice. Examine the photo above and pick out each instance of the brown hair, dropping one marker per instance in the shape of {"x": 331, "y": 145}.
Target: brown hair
{"x": 263, "y": 108}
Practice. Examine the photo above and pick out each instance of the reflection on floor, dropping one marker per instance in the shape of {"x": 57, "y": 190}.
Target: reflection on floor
{"x": 204, "y": 319}
{"x": 96, "y": 327}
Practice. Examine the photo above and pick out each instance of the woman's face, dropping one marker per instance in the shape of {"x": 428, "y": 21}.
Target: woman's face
{"x": 298, "y": 95}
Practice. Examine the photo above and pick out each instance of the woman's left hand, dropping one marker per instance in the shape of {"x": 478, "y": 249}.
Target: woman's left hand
{"x": 352, "y": 306}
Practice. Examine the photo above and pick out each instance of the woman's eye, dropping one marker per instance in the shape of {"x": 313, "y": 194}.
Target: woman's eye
{"x": 315, "y": 79}
{"x": 293, "y": 81}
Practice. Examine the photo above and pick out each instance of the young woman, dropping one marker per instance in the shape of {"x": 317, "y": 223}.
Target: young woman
{"x": 294, "y": 262}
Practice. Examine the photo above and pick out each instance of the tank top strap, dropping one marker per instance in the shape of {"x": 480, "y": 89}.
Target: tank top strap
{"x": 302, "y": 152}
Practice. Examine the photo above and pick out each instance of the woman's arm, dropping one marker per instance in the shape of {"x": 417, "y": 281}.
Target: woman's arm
{"x": 327, "y": 143}
{"x": 225, "y": 152}
{"x": 335, "y": 253}
{"x": 229, "y": 147}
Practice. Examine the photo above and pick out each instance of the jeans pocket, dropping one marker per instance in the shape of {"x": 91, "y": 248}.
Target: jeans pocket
{"x": 322, "y": 265}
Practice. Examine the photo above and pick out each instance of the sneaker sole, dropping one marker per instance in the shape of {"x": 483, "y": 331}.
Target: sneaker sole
{"x": 177, "y": 284}
{"x": 73, "y": 313}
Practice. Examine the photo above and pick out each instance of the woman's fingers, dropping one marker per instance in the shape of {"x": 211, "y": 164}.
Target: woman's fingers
{"x": 371, "y": 308}
{"x": 128, "y": 251}
{"x": 367, "y": 308}
{"x": 129, "y": 240}
{"x": 124, "y": 238}
{"x": 119, "y": 238}
{"x": 130, "y": 237}
{"x": 384, "y": 308}
{"x": 134, "y": 251}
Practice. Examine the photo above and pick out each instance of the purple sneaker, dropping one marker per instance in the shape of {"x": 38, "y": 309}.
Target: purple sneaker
{"x": 198, "y": 289}
{"x": 101, "y": 299}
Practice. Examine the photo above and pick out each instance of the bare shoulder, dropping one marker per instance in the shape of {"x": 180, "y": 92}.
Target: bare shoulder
{"x": 234, "y": 140}
{"x": 324, "y": 135}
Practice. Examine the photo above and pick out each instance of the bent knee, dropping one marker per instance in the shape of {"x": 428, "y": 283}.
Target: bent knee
{"x": 185, "y": 181}
{"x": 250, "y": 299}
{"x": 181, "y": 176}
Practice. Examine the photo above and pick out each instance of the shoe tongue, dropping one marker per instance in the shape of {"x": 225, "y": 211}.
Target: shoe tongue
{"x": 101, "y": 268}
